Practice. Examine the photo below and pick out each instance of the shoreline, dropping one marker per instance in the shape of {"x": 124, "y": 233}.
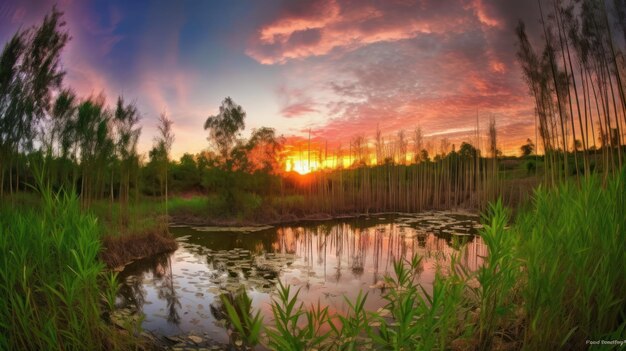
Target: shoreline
{"x": 181, "y": 220}
{"x": 119, "y": 252}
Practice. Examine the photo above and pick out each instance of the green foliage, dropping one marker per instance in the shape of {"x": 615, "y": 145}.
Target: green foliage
{"x": 572, "y": 244}
{"x": 415, "y": 318}
{"x": 531, "y": 166}
{"x": 528, "y": 148}
{"x": 224, "y": 128}
{"x": 50, "y": 278}
{"x": 468, "y": 151}
{"x": 247, "y": 327}
{"x": 497, "y": 277}
{"x": 287, "y": 332}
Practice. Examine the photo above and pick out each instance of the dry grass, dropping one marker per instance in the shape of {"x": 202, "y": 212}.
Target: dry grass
{"x": 120, "y": 250}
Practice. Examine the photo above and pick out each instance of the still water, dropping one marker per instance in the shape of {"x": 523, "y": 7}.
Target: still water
{"x": 178, "y": 293}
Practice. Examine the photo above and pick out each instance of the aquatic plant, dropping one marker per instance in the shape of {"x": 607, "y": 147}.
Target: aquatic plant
{"x": 287, "y": 331}
{"x": 247, "y": 325}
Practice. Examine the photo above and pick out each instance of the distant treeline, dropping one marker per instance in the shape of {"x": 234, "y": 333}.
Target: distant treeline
{"x": 576, "y": 79}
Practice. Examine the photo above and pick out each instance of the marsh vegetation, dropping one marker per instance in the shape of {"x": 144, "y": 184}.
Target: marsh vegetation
{"x": 215, "y": 242}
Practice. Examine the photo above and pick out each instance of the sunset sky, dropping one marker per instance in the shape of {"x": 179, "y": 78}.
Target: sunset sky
{"x": 338, "y": 68}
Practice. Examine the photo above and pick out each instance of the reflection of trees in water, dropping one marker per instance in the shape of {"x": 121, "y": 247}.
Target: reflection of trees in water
{"x": 378, "y": 247}
{"x": 352, "y": 245}
{"x": 166, "y": 290}
{"x": 338, "y": 243}
{"x": 349, "y": 250}
{"x": 132, "y": 288}
{"x": 133, "y": 292}
{"x": 323, "y": 235}
{"x": 360, "y": 241}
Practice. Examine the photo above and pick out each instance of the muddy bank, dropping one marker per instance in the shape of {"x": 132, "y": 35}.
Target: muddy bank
{"x": 121, "y": 250}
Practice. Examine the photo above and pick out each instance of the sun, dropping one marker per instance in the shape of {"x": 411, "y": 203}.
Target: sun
{"x": 301, "y": 166}
{"x": 301, "y": 169}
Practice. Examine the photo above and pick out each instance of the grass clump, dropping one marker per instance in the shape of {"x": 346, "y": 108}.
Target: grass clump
{"x": 572, "y": 247}
{"x": 51, "y": 280}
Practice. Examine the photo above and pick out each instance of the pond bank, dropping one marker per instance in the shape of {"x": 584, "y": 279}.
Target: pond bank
{"x": 120, "y": 251}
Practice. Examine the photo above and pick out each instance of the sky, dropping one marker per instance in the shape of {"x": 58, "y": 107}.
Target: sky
{"x": 334, "y": 68}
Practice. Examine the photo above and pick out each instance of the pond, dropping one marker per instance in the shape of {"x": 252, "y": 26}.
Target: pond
{"x": 178, "y": 293}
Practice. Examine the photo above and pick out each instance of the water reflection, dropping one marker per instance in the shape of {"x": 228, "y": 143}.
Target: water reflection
{"x": 152, "y": 273}
{"x": 177, "y": 292}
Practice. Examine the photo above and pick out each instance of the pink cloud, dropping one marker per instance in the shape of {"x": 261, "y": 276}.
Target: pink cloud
{"x": 327, "y": 25}
{"x": 437, "y": 64}
{"x": 442, "y": 91}
{"x": 297, "y": 109}
{"x": 485, "y": 15}
{"x": 295, "y": 102}
{"x": 321, "y": 14}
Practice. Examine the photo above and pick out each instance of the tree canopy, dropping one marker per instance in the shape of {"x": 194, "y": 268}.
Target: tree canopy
{"x": 225, "y": 127}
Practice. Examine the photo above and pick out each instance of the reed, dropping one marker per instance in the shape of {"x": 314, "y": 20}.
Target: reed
{"x": 288, "y": 331}
{"x": 575, "y": 76}
{"x": 54, "y": 289}
{"x": 572, "y": 246}
{"x": 246, "y": 326}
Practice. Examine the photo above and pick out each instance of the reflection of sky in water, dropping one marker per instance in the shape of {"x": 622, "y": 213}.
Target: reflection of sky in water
{"x": 326, "y": 260}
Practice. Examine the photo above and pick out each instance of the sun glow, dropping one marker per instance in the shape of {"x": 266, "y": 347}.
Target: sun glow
{"x": 301, "y": 163}
{"x": 302, "y": 167}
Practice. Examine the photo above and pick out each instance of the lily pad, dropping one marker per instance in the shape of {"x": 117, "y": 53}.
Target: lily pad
{"x": 249, "y": 229}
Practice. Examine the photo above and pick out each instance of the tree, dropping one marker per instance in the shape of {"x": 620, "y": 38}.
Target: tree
{"x": 94, "y": 141}
{"x": 186, "y": 175}
{"x": 126, "y": 117}
{"x": 263, "y": 149}
{"x": 225, "y": 127}
{"x": 424, "y": 157}
{"x": 418, "y": 140}
{"x": 402, "y": 147}
{"x": 164, "y": 142}
{"x": 29, "y": 72}
{"x": 578, "y": 145}
{"x": 528, "y": 148}
{"x": 379, "y": 145}
{"x": 10, "y": 91}
{"x": 467, "y": 151}
{"x": 63, "y": 114}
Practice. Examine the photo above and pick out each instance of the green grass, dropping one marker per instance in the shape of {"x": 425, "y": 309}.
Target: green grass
{"x": 572, "y": 250}
{"x": 54, "y": 289}
{"x": 136, "y": 218}
{"x": 195, "y": 206}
